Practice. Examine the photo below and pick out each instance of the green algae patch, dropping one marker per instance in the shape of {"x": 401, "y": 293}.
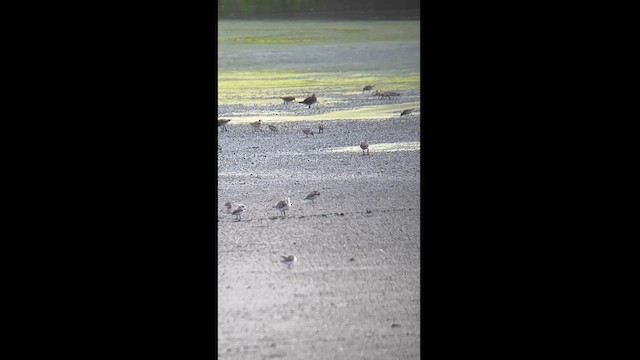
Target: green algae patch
{"x": 252, "y": 86}
{"x": 267, "y": 40}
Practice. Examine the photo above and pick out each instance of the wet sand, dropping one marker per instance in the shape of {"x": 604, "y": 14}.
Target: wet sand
{"x": 354, "y": 292}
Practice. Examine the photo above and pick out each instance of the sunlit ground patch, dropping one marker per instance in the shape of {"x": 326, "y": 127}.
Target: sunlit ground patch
{"x": 369, "y": 112}
{"x": 263, "y": 85}
{"x": 383, "y": 147}
{"x": 375, "y": 112}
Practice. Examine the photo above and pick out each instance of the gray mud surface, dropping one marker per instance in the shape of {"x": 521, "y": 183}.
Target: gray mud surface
{"x": 327, "y": 306}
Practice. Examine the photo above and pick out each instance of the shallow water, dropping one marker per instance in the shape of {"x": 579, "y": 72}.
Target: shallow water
{"x": 384, "y": 147}
{"x": 259, "y": 61}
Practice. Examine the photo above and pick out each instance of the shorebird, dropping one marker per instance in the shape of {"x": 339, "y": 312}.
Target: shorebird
{"x": 283, "y": 206}
{"x": 239, "y": 210}
{"x": 364, "y": 146}
{"x": 288, "y": 260}
{"x": 309, "y": 101}
{"x": 367, "y": 88}
{"x": 287, "y": 99}
{"x": 223, "y": 123}
{"x": 407, "y": 112}
{"x": 273, "y": 128}
{"x": 257, "y": 125}
{"x": 312, "y": 196}
{"x": 307, "y": 131}
{"x": 320, "y": 129}
{"x": 387, "y": 94}
{"x": 229, "y": 205}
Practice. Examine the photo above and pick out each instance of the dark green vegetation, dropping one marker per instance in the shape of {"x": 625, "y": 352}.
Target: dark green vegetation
{"x": 308, "y": 9}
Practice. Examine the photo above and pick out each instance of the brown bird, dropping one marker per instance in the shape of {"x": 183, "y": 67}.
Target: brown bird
{"x": 368, "y": 88}
{"x": 364, "y": 146}
{"x": 257, "y": 125}
{"x": 309, "y": 101}
{"x": 287, "y": 99}
{"x": 307, "y": 132}
{"x": 320, "y": 129}
{"x": 387, "y": 94}
{"x": 223, "y": 123}
{"x": 239, "y": 210}
{"x": 407, "y": 112}
{"x": 312, "y": 196}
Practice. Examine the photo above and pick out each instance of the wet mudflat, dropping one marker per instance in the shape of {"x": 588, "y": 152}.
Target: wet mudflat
{"x": 355, "y": 290}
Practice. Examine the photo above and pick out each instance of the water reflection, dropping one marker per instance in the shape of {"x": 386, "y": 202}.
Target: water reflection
{"x": 383, "y": 147}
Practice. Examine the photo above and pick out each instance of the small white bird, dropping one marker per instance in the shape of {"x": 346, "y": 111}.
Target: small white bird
{"x": 283, "y": 206}
{"x": 312, "y": 196}
{"x": 288, "y": 260}
{"x": 239, "y": 210}
{"x": 229, "y": 205}
{"x": 257, "y": 125}
{"x": 364, "y": 146}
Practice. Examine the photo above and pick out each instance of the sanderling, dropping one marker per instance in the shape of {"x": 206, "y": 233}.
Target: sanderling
{"x": 307, "y": 131}
{"x": 368, "y": 88}
{"x": 283, "y": 206}
{"x": 364, "y": 146}
{"x": 312, "y": 196}
{"x": 320, "y": 129}
{"x": 287, "y": 99}
{"x": 223, "y": 123}
{"x": 309, "y": 101}
{"x": 230, "y": 205}
{"x": 288, "y": 260}
{"x": 273, "y": 128}
{"x": 407, "y": 112}
{"x": 257, "y": 125}
{"x": 239, "y": 210}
